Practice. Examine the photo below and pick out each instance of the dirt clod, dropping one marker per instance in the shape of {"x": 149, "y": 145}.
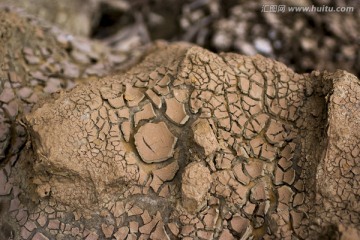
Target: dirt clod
{"x": 185, "y": 144}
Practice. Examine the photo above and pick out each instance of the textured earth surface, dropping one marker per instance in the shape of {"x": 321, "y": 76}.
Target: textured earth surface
{"x": 186, "y": 144}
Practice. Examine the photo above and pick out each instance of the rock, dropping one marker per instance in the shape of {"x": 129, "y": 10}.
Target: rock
{"x": 263, "y": 45}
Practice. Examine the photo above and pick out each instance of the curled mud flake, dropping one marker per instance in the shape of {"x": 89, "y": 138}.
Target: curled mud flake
{"x": 241, "y": 226}
{"x": 174, "y": 228}
{"x": 226, "y": 235}
{"x": 279, "y": 175}
{"x": 259, "y": 122}
{"x": 257, "y": 77}
{"x": 141, "y": 84}
{"x": 126, "y": 130}
{"x": 134, "y": 227}
{"x": 240, "y": 175}
{"x": 299, "y": 199}
{"x": 147, "y": 228}
{"x": 249, "y": 208}
{"x": 284, "y": 163}
{"x": 289, "y": 176}
{"x": 42, "y": 220}
{"x": 118, "y": 209}
{"x": 187, "y": 231}
{"x": 268, "y": 152}
{"x": 196, "y": 182}
{"x": 154, "y": 98}
{"x": 285, "y": 194}
{"x": 39, "y": 236}
{"x": 299, "y": 185}
{"x": 123, "y": 113}
{"x": 204, "y": 136}
{"x": 163, "y": 91}
{"x": 251, "y": 106}
{"x": 165, "y": 191}
{"x": 154, "y": 75}
{"x": 146, "y": 113}
{"x": 54, "y": 224}
{"x": 164, "y": 81}
{"x": 178, "y": 82}
{"x": 275, "y": 133}
{"x": 146, "y": 217}
{"x": 196, "y": 102}
{"x": 296, "y": 219}
{"x": 256, "y": 145}
{"x": 92, "y": 236}
{"x": 30, "y": 224}
{"x": 154, "y": 142}
{"x": 244, "y": 85}
{"x": 175, "y": 111}
{"x": 133, "y": 210}
{"x": 182, "y": 95}
{"x": 160, "y": 232}
{"x": 254, "y": 168}
{"x": 117, "y": 102}
{"x": 133, "y": 96}
{"x": 122, "y": 233}
{"x": 24, "y": 233}
{"x": 258, "y": 192}
{"x": 210, "y": 218}
{"x": 107, "y": 230}
{"x": 113, "y": 119}
{"x": 168, "y": 172}
{"x": 202, "y": 234}
{"x": 256, "y": 91}
{"x": 156, "y": 183}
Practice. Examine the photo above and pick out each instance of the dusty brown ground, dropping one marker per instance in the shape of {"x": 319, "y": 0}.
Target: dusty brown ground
{"x": 187, "y": 144}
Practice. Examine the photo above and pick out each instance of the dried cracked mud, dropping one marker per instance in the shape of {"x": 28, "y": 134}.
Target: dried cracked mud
{"x": 187, "y": 144}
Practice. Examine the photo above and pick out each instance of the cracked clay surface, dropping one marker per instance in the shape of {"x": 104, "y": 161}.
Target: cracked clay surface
{"x": 189, "y": 144}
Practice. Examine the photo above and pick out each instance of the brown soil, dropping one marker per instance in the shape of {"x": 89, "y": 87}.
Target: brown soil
{"x": 185, "y": 144}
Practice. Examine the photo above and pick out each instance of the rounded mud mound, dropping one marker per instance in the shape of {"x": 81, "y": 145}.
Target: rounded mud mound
{"x": 191, "y": 144}
{"x": 102, "y": 140}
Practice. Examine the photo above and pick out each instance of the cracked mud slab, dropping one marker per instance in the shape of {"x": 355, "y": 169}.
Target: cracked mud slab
{"x": 187, "y": 144}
